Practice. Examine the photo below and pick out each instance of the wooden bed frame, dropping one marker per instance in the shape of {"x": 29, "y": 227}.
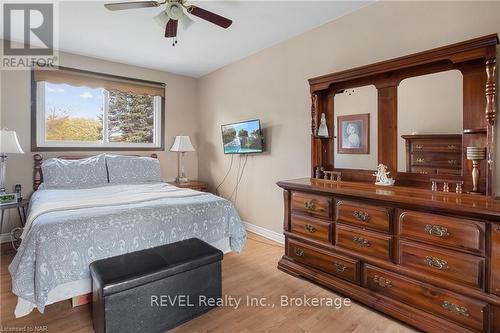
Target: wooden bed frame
{"x": 37, "y": 166}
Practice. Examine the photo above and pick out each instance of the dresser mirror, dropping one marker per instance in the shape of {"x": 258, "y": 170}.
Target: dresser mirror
{"x": 445, "y": 95}
{"x": 352, "y": 107}
{"x": 430, "y": 124}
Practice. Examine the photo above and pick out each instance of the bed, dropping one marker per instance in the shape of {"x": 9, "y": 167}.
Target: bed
{"x": 68, "y": 228}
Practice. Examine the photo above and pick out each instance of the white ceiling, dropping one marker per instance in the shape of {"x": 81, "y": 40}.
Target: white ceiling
{"x": 132, "y": 37}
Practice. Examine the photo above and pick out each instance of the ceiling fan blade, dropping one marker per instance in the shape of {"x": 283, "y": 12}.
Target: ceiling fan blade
{"x": 210, "y": 17}
{"x": 130, "y": 5}
{"x": 171, "y": 29}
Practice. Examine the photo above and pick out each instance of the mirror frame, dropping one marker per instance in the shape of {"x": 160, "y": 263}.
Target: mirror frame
{"x": 475, "y": 59}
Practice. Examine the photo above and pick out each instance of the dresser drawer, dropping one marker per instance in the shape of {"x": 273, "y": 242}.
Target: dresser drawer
{"x": 449, "y": 265}
{"x": 466, "y": 235}
{"x": 438, "y": 160}
{"x": 438, "y": 146}
{"x": 461, "y": 309}
{"x": 311, "y": 227}
{"x": 362, "y": 215}
{"x": 443, "y": 171}
{"x": 436, "y": 171}
{"x": 311, "y": 204}
{"x": 424, "y": 170}
{"x": 363, "y": 242}
{"x": 329, "y": 262}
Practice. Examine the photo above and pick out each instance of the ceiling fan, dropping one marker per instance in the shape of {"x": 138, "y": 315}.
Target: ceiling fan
{"x": 175, "y": 11}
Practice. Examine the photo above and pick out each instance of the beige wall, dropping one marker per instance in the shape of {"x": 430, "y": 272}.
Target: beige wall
{"x": 429, "y": 104}
{"x": 272, "y": 85}
{"x": 180, "y": 108}
{"x": 357, "y": 101}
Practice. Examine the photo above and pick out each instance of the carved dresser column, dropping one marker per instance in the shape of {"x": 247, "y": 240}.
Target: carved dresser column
{"x": 314, "y": 111}
{"x": 491, "y": 90}
{"x": 490, "y": 117}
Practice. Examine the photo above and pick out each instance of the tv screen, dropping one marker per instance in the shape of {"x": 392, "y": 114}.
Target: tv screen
{"x": 242, "y": 138}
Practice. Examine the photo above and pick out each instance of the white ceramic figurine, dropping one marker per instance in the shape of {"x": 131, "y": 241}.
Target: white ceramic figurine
{"x": 381, "y": 175}
{"x": 323, "y": 129}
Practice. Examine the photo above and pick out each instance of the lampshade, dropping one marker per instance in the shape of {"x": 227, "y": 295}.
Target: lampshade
{"x": 476, "y": 153}
{"x": 161, "y": 19}
{"x": 186, "y": 22}
{"x": 182, "y": 143}
{"x": 9, "y": 143}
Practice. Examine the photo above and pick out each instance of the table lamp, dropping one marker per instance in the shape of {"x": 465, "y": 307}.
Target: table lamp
{"x": 8, "y": 145}
{"x": 476, "y": 155}
{"x": 181, "y": 145}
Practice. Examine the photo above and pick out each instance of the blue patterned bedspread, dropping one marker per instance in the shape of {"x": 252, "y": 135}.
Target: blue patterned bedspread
{"x": 60, "y": 245}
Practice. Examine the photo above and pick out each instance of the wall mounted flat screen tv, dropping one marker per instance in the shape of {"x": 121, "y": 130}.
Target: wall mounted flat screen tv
{"x": 243, "y": 138}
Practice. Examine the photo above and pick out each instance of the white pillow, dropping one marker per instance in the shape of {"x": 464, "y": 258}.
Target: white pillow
{"x": 132, "y": 169}
{"x": 87, "y": 172}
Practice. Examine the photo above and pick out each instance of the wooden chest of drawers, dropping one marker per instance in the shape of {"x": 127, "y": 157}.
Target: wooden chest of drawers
{"x": 434, "y": 154}
{"x": 424, "y": 255}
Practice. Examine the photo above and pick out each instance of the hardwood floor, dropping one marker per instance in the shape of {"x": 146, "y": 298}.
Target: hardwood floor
{"x": 252, "y": 273}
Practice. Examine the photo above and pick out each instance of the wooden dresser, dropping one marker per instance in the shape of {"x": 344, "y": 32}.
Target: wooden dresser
{"x": 430, "y": 259}
{"x": 438, "y": 154}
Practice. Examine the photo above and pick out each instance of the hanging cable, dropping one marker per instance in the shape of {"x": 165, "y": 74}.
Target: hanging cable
{"x": 238, "y": 179}
{"x": 237, "y": 176}
{"x": 224, "y": 179}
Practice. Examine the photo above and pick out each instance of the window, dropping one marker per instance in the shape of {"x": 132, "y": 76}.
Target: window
{"x": 81, "y": 110}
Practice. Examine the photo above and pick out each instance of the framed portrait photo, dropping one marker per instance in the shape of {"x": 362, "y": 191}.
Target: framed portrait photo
{"x": 353, "y": 132}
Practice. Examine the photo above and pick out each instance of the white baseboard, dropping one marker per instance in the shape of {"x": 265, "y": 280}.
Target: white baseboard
{"x": 269, "y": 234}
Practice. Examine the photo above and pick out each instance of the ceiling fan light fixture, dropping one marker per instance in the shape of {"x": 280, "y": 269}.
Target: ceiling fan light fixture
{"x": 161, "y": 19}
{"x": 186, "y": 22}
{"x": 175, "y": 11}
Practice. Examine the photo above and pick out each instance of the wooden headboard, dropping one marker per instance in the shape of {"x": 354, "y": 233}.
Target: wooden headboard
{"x": 37, "y": 166}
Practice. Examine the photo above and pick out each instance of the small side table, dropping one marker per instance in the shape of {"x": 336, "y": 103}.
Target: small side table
{"x": 192, "y": 184}
{"x": 21, "y": 207}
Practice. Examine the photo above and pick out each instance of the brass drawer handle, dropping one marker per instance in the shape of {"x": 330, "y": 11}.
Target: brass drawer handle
{"x": 420, "y": 160}
{"x": 309, "y": 205}
{"x": 436, "y": 263}
{"x": 452, "y": 162}
{"x": 452, "y": 147}
{"x": 339, "y": 267}
{"x": 419, "y": 146}
{"x": 299, "y": 252}
{"x": 382, "y": 282}
{"x": 437, "y": 230}
{"x": 455, "y": 308}
{"x": 361, "y": 241}
{"x": 309, "y": 228}
{"x": 362, "y": 216}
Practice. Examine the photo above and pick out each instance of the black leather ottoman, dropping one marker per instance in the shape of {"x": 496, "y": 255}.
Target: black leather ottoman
{"x": 155, "y": 289}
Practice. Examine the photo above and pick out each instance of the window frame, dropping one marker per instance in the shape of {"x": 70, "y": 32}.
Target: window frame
{"x": 38, "y": 143}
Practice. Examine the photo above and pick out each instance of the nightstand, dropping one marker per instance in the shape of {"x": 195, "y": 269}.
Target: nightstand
{"x": 21, "y": 207}
{"x": 192, "y": 184}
